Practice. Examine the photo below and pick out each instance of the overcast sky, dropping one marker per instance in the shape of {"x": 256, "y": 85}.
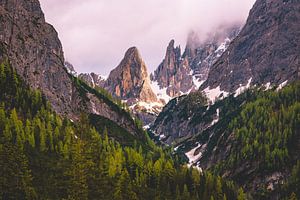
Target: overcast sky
{"x": 96, "y": 33}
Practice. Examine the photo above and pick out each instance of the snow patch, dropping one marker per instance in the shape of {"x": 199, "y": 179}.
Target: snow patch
{"x": 223, "y": 46}
{"x": 282, "y": 85}
{"x": 92, "y": 80}
{"x": 197, "y": 82}
{"x": 192, "y": 157}
{"x": 176, "y": 148}
{"x": 162, "y": 136}
{"x": 151, "y": 107}
{"x": 74, "y": 73}
{"x": 267, "y": 86}
{"x": 217, "y": 119}
{"x": 241, "y": 89}
{"x": 161, "y": 93}
{"x": 214, "y": 94}
{"x": 146, "y": 127}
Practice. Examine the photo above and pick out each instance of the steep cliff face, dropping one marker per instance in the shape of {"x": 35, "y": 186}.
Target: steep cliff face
{"x": 265, "y": 52}
{"x": 33, "y": 48}
{"x": 128, "y": 82}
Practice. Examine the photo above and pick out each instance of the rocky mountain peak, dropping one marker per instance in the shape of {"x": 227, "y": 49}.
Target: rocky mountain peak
{"x": 171, "y": 73}
{"x": 172, "y": 49}
{"x": 183, "y": 73}
{"x": 133, "y": 54}
{"x": 130, "y": 80}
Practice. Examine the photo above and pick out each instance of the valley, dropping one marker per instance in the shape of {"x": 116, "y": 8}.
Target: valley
{"x": 219, "y": 119}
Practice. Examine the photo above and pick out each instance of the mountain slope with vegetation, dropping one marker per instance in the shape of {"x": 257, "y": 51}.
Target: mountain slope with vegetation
{"x": 260, "y": 146}
{"x": 254, "y": 141}
{"x": 46, "y": 157}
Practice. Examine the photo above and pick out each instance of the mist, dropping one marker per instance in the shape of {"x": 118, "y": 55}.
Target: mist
{"x": 96, "y": 33}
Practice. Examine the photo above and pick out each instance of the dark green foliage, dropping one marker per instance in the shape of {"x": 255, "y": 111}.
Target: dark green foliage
{"x": 263, "y": 136}
{"x": 15, "y": 176}
{"x": 266, "y": 129}
{"x": 16, "y": 93}
{"x": 118, "y": 133}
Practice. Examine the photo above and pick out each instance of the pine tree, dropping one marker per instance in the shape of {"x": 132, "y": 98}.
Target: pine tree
{"x": 177, "y": 193}
{"x": 123, "y": 189}
{"x": 241, "y": 194}
{"x": 15, "y": 176}
{"x": 77, "y": 187}
{"x": 293, "y": 196}
{"x": 185, "y": 193}
{"x": 218, "y": 189}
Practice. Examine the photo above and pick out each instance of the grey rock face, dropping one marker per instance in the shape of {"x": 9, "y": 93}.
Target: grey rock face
{"x": 33, "y": 48}
{"x": 266, "y": 50}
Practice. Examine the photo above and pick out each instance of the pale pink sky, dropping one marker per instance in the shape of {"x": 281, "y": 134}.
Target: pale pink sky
{"x": 96, "y": 33}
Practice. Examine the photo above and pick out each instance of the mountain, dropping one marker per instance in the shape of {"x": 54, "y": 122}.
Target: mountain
{"x": 179, "y": 73}
{"x": 237, "y": 124}
{"x": 265, "y": 52}
{"x": 32, "y": 47}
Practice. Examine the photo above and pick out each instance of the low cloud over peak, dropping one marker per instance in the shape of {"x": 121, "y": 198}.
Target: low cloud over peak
{"x": 96, "y": 33}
